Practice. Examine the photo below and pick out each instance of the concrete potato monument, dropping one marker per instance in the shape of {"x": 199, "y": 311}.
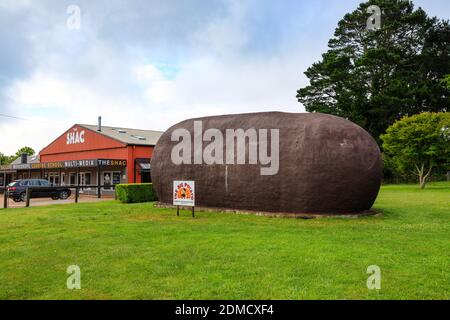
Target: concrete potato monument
{"x": 271, "y": 162}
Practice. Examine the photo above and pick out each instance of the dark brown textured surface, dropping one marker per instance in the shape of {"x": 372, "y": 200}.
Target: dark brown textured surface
{"x": 327, "y": 165}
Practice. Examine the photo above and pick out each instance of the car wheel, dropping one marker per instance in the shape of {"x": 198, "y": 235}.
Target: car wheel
{"x": 63, "y": 195}
{"x": 23, "y": 197}
{"x": 55, "y": 197}
{"x": 16, "y": 199}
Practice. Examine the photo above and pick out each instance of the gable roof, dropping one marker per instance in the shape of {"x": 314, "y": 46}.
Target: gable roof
{"x": 127, "y": 135}
{"x": 30, "y": 159}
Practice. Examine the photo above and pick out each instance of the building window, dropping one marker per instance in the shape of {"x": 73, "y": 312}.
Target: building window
{"x": 72, "y": 179}
{"x": 116, "y": 178}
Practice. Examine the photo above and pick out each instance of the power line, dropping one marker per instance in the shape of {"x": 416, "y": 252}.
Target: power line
{"x": 37, "y": 121}
{"x": 13, "y": 117}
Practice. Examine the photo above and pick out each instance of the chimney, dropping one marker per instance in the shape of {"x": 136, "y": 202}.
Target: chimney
{"x": 24, "y": 158}
{"x": 99, "y": 123}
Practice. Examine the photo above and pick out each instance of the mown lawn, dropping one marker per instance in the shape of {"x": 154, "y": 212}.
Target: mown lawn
{"x": 141, "y": 252}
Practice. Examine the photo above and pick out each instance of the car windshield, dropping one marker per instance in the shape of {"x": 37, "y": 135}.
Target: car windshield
{"x": 12, "y": 184}
{"x": 44, "y": 183}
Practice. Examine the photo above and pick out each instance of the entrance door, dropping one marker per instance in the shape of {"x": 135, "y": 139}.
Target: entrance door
{"x": 146, "y": 177}
{"x": 53, "y": 178}
{"x": 84, "y": 178}
{"x": 72, "y": 178}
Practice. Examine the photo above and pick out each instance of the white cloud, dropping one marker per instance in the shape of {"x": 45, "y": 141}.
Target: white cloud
{"x": 79, "y": 76}
{"x": 14, "y": 5}
{"x": 156, "y": 88}
{"x": 224, "y": 34}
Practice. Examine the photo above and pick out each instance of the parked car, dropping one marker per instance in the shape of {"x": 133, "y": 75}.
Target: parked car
{"x": 40, "y": 189}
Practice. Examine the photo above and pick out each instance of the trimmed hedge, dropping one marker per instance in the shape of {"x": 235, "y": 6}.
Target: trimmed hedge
{"x": 136, "y": 192}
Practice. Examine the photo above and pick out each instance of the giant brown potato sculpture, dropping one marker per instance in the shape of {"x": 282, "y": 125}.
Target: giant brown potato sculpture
{"x": 323, "y": 164}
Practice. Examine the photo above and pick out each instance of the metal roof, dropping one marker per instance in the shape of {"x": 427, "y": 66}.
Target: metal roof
{"x": 30, "y": 159}
{"x": 127, "y": 135}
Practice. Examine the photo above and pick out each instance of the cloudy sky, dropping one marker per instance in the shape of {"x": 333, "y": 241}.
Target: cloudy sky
{"x": 150, "y": 64}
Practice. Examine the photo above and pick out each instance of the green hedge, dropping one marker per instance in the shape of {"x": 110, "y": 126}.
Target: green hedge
{"x": 136, "y": 192}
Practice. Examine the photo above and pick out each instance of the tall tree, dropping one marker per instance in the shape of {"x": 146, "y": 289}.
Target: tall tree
{"x": 419, "y": 144}
{"x": 374, "y": 77}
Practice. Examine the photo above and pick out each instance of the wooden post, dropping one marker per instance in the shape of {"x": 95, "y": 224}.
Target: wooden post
{"x": 28, "y": 197}
{"x": 193, "y": 212}
{"x": 5, "y": 199}
{"x": 76, "y": 194}
{"x": 178, "y": 210}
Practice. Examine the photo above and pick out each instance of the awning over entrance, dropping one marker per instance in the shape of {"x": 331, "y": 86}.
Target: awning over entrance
{"x": 142, "y": 168}
{"x": 71, "y": 164}
{"x": 143, "y": 164}
{"x": 103, "y": 163}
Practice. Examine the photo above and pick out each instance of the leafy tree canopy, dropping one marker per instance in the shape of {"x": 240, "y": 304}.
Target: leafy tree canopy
{"x": 5, "y": 160}
{"x": 419, "y": 144}
{"x": 27, "y": 150}
{"x": 374, "y": 77}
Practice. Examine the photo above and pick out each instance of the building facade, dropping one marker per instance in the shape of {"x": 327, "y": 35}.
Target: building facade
{"x": 89, "y": 155}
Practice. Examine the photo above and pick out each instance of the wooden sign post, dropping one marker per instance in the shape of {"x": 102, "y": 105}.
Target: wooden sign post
{"x": 5, "y": 199}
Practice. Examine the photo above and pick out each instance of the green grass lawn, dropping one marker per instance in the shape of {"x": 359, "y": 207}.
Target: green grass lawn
{"x": 136, "y": 251}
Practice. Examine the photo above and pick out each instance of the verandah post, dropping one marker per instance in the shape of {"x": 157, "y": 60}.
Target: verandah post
{"x": 99, "y": 191}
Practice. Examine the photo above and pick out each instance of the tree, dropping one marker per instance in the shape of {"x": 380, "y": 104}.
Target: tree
{"x": 419, "y": 143}
{"x": 374, "y": 77}
{"x": 27, "y": 150}
{"x": 4, "y": 160}
{"x": 8, "y": 159}
{"x": 446, "y": 81}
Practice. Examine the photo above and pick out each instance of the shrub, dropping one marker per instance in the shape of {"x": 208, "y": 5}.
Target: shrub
{"x": 136, "y": 192}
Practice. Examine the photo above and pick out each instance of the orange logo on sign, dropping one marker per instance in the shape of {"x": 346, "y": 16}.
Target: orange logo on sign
{"x": 184, "y": 191}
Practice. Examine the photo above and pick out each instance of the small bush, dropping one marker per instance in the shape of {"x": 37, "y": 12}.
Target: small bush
{"x": 136, "y": 192}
